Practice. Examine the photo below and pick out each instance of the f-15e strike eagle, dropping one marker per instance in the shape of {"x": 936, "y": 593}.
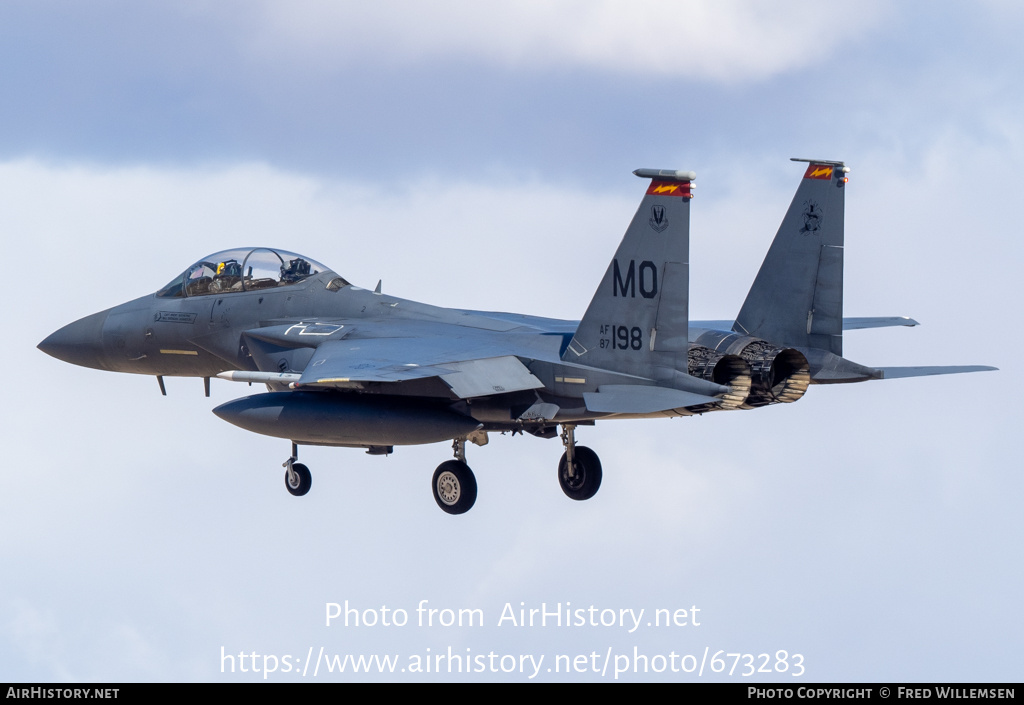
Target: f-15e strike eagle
{"x": 349, "y": 367}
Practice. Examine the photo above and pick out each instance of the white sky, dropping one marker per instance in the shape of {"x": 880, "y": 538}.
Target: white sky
{"x": 478, "y": 155}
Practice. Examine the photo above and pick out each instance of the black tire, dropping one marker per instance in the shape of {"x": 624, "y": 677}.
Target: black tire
{"x": 454, "y": 487}
{"x": 304, "y": 478}
{"x": 587, "y": 478}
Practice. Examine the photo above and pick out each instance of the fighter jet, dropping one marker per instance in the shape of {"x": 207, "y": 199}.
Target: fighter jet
{"x": 350, "y": 367}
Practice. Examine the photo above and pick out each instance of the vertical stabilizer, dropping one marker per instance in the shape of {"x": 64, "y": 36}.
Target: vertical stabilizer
{"x": 641, "y": 305}
{"x": 797, "y": 297}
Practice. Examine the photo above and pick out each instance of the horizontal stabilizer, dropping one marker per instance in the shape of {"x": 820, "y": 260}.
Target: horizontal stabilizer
{"x": 640, "y": 399}
{"x": 897, "y": 372}
{"x": 878, "y": 322}
{"x": 848, "y": 323}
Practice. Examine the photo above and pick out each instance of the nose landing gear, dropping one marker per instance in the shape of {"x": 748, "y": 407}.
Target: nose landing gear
{"x": 297, "y": 478}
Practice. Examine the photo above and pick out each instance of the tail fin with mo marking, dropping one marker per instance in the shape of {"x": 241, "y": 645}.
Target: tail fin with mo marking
{"x": 640, "y": 309}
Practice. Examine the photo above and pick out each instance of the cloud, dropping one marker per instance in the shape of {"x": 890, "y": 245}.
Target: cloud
{"x": 731, "y": 40}
{"x": 488, "y": 243}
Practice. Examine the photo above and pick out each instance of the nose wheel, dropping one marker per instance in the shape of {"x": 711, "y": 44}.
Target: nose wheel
{"x": 297, "y": 478}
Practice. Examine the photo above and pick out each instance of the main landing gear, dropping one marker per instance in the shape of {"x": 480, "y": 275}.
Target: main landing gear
{"x": 579, "y": 470}
{"x": 579, "y": 474}
{"x": 454, "y": 484}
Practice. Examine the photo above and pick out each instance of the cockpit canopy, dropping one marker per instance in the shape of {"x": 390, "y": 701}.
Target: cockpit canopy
{"x": 243, "y": 269}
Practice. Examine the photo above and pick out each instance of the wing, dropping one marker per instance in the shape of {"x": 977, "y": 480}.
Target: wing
{"x": 350, "y": 355}
{"x": 469, "y": 371}
{"x": 470, "y": 363}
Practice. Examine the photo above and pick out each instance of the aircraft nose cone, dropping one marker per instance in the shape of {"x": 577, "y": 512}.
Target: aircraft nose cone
{"x": 80, "y": 343}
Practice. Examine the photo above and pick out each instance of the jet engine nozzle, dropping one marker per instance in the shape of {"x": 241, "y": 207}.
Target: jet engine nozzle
{"x": 730, "y": 371}
{"x": 779, "y": 375}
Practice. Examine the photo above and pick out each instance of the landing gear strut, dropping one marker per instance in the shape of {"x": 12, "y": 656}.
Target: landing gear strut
{"x": 579, "y": 470}
{"x": 454, "y": 485}
{"x": 297, "y": 478}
